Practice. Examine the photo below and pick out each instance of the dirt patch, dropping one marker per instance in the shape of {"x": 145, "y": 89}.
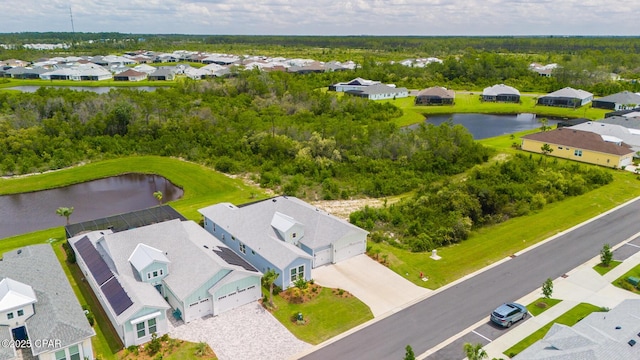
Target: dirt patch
{"x": 296, "y": 295}
{"x": 342, "y": 208}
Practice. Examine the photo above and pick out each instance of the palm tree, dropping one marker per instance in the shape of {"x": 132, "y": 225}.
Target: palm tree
{"x": 65, "y": 211}
{"x": 475, "y": 351}
{"x": 158, "y": 196}
{"x": 267, "y": 280}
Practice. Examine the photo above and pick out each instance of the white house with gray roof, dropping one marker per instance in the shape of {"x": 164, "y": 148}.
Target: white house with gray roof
{"x": 379, "y": 92}
{"x": 173, "y": 268}
{"x": 566, "y": 97}
{"x": 501, "y": 93}
{"x": 285, "y": 234}
{"x": 608, "y": 335}
{"x": 37, "y": 302}
{"x": 624, "y": 100}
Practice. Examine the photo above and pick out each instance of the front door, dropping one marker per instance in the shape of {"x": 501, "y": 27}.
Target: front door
{"x": 19, "y": 333}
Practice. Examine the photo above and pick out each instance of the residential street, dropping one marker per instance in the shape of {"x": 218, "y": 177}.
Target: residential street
{"x": 447, "y": 313}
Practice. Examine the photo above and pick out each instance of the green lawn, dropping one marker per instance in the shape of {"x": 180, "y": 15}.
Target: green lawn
{"x": 622, "y": 282}
{"x": 569, "y": 318}
{"x": 327, "y": 315}
{"x": 109, "y": 83}
{"x": 541, "y": 305}
{"x": 494, "y": 243}
{"x": 470, "y": 103}
{"x": 601, "y": 269}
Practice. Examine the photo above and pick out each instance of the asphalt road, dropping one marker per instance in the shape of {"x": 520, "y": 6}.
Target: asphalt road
{"x": 447, "y": 313}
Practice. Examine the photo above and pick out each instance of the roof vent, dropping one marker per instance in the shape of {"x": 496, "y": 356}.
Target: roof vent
{"x": 274, "y": 200}
{"x": 618, "y": 327}
{"x": 205, "y": 246}
{"x": 631, "y": 342}
{"x": 19, "y": 251}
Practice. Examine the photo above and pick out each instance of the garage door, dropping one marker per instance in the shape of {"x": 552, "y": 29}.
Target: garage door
{"x": 236, "y": 299}
{"x": 321, "y": 257}
{"x": 626, "y": 162}
{"x": 350, "y": 250}
{"x": 198, "y": 309}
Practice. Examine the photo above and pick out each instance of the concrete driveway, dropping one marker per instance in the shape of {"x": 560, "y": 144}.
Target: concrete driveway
{"x": 374, "y": 284}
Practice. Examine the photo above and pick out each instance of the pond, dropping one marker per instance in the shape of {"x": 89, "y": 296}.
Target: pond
{"x": 27, "y": 212}
{"x": 95, "y": 89}
{"x": 483, "y": 126}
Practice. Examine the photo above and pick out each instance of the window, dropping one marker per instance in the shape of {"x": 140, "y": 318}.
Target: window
{"x": 161, "y": 272}
{"x": 10, "y": 316}
{"x": 214, "y": 227}
{"x": 253, "y": 252}
{"x": 20, "y": 312}
{"x": 243, "y": 248}
{"x": 577, "y": 152}
{"x": 222, "y": 237}
{"x": 560, "y": 147}
{"x": 74, "y": 353}
{"x": 152, "y": 326}
{"x": 155, "y": 273}
{"x": 148, "y": 275}
{"x": 297, "y": 273}
{"x": 233, "y": 238}
{"x": 293, "y": 235}
{"x": 60, "y": 355}
{"x": 141, "y": 330}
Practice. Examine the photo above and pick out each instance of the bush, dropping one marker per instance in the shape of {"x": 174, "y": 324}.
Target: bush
{"x": 154, "y": 345}
{"x": 133, "y": 349}
{"x": 71, "y": 255}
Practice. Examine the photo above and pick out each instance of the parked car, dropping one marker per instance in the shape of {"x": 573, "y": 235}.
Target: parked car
{"x": 508, "y": 314}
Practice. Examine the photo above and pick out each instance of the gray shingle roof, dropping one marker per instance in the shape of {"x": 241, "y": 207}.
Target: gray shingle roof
{"x": 379, "y": 89}
{"x": 58, "y": 314}
{"x": 320, "y": 228}
{"x": 500, "y": 89}
{"x": 570, "y": 93}
{"x": 624, "y": 97}
{"x": 599, "y": 336}
{"x": 437, "y": 91}
{"x": 628, "y": 122}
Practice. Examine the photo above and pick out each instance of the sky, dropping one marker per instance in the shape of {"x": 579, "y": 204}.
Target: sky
{"x": 326, "y": 17}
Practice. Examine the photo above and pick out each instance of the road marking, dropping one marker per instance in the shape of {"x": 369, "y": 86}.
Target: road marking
{"x": 482, "y": 336}
{"x": 634, "y": 245}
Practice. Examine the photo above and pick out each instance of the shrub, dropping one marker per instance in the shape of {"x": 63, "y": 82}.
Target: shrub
{"x": 154, "y": 345}
{"x": 164, "y": 337}
{"x": 301, "y": 284}
{"x": 201, "y": 348}
{"x": 71, "y": 255}
{"x": 133, "y": 349}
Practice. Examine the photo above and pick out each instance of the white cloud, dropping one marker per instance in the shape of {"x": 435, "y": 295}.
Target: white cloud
{"x": 329, "y": 17}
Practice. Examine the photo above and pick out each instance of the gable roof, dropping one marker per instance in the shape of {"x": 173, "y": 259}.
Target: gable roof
{"x": 570, "y": 93}
{"x": 626, "y": 121}
{"x": 500, "y": 89}
{"x": 320, "y": 228}
{"x": 15, "y": 294}
{"x": 131, "y": 72}
{"x": 144, "y": 255}
{"x": 437, "y": 91}
{"x": 580, "y": 139}
{"x": 378, "y": 89}
{"x": 58, "y": 314}
{"x": 624, "y": 97}
{"x": 628, "y": 136}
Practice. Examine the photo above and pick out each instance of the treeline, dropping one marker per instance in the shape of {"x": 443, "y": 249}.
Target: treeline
{"x": 447, "y": 213}
{"x": 294, "y": 138}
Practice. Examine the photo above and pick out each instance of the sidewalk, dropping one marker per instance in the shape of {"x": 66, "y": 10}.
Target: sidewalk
{"x": 583, "y": 284}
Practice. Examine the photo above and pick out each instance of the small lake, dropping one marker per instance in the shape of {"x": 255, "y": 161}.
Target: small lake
{"x": 483, "y": 126}
{"x": 27, "y": 212}
{"x": 95, "y": 89}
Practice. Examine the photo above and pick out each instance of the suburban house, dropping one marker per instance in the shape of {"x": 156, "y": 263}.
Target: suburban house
{"x": 78, "y": 72}
{"x": 37, "y": 303}
{"x": 379, "y": 92}
{"x": 436, "y": 95}
{"x": 355, "y": 84}
{"x": 582, "y": 146}
{"x": 501, "y": 93}
{"x": 543, "y": 70}
{"x": 25, "y": 73}
{"x": 567, "y": 97}
{"x": 284, "y": 234}
{"x": 130, "y": 75}
{"x": 629, "y": 136}
{"x": 172, "y": 268}
{"x": 162, "y": 74}
{"x": 630, "y": 122}
{"x": 625, "y": 100}
{"x": 609, "y": 335}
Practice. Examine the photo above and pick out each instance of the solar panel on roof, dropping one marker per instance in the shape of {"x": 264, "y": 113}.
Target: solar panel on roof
{"x": 94, "y": 261}
{"x": 234, "y": 259}
{"x": 116, "y": 296}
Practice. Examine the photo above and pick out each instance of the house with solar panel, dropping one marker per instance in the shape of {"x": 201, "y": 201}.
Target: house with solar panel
{"x": 285, "y": 234}
{"x": 143, "y": 275}
{"x": 37, "y": 303}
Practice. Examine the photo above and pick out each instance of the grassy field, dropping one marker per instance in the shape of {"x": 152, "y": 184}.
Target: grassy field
{"x": 541, "y": 305}
{"x": 569, "y": 318}
{"x": 326, "y": 316}
{"x": 110, "y": 83}
{"x": 469, "y": 102}
{"x": 494, "y": 243}
{"x": 202, "y": 186}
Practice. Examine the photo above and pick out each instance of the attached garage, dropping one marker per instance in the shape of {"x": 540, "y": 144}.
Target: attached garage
{"x": 349, "y": 250}
{"x": 236, "y": 298}
{"x": 198, "y": 309}
{"x": 322, "y": 257}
